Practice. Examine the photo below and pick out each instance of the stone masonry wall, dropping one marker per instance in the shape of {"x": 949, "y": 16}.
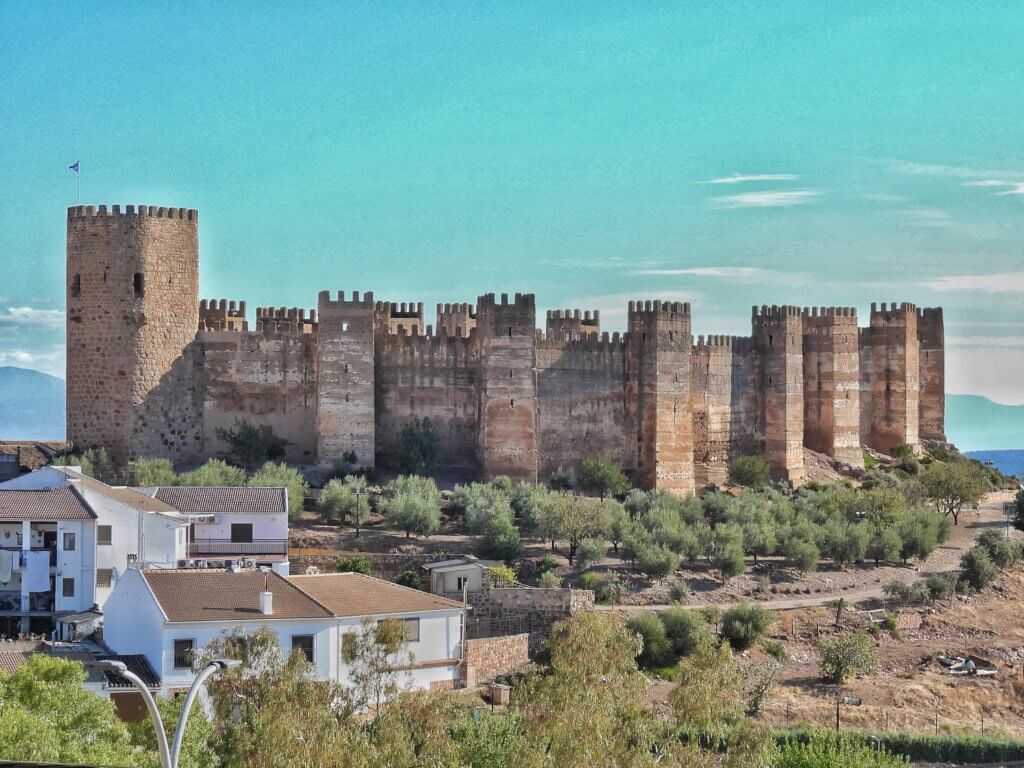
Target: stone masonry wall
{"x": 581, "y": 403}
{"x": 932, "y": 361}
{"x": 132, "y": 298}
{"x": 778, "y": 339}
{"x": 831, "y": 375}
{"x": 490, "y": 657}
{"x": 895, "y": 376}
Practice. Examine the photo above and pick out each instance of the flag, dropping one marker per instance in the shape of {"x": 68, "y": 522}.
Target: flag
{"x": 74, "y": 166}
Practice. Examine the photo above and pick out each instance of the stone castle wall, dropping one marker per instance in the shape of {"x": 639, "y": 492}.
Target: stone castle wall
{"x": 154, "y": 372}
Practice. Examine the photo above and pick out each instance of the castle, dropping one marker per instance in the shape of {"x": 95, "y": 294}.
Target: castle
{"x": 155, "y": 372}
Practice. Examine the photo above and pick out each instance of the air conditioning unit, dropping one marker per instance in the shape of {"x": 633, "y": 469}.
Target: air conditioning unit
{"x": 247, "y": 563}
{"x": 202, "y": 564}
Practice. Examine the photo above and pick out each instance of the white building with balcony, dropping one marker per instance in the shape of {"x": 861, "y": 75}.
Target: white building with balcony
{"x": 169, "y": 616}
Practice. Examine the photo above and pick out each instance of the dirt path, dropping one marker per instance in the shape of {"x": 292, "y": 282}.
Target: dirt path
{"x": 945, "y": 558}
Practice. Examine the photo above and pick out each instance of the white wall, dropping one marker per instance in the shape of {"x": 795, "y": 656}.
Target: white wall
{"x": 448, "y": 580}
{"x": 263, "y": 526}
{"x": 40, "y": 480}
{"x": 132, "y": 620}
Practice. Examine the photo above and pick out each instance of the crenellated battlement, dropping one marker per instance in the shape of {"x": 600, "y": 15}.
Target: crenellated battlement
{"x": 222, "y": 315}
{"x": 403, "y": 309}
{"x": 325, "y": 302}
{"x": 597, "y": 341}
{"x": 285, "y": 320}
{"x": 719, "y": 341}
{"x": 151, "y": 211}
{"x": 929, "y": 313}
{"x": 407, "y": 348}
{"x": 585, "y": 317}
{"x": 905, "y": 306}
{"x": 659, "y": 307}
{"x": 775, "y": 311}
{"x": 829, "y": 312}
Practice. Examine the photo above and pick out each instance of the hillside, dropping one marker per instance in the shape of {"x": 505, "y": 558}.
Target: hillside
{"x": 975, "y": 423}
{"x": 31, "y": 405}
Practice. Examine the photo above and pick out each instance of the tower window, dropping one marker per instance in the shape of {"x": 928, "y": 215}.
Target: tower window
{"x": 344, "y": 326}
{"x": 139, "y": 285}
{"x": 76, "y": 286}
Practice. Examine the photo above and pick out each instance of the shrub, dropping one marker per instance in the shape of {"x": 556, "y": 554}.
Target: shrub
{"x": 776, "y": 650}
{"x": 802, "y": 555}
{"x": 729, "y": 561}
{"x": 603, "y": 477}
{"x": 899, "y": 593}
{"x": 751, "y": 471}
{"x": 501, "y": 575}
{"x": 590, "y": 552}
{"x": 825, "y": 750}
{"x": 1001, "y": 550}
{"x": 547, "y": 563}
{"x": 501, "y": 540}
{"x": 940, "y": 587}
{"x": 610, "y": 589}
{"x": 419, "y": 447}
{"x": 251, "y": 446}
{"x": 684, "y": 629}
{"x": 354, "y": 564}
{"x": 560, "y": 480}
{"x": 550, "y": 580}
{"x": 842, "y": 658}
{"x": 413, "y": 505}
{"x": 214, "y": 473}
{"x": 272, "y": 475}
{"x": 656, "y": 650}
{"x": 409, "y": 579}
{"x": 889, "y": 624}
{"x": 588, "y": 580}
{"x": 977, "y": 569}
{"x": 679, "y": 591}
{"x": 656, "y": 562}
{"x": 150, "y": 473}
{"x": 744, "y": 624}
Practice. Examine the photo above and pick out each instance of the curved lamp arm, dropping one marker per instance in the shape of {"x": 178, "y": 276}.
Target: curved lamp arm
{"x": 119, "y": 668}
{"x": 215, "y": 666}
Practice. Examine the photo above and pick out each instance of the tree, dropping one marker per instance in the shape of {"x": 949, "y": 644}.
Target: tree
{"x": 656, "y": 561}
{"x": 419, "y": 447}
{"x": 501, "y": 539}
{"x": 760, "y": 678}
{"x": 528, "y": 501}
{"x": 152, "y": 473}
{"x": 655, "y": 651}
{"x": 845, "y": 542}
{"x": 618, "y": 523}
{"x": 216, "y": 473}
{"x": 251, "y": 446}
{"x": 412, "y": 504}
{"x": 885, "y": 544}
{"x": 409, "y": 578}
{"x": 482, "y": 504}
{"x": 46, "y": 715}
{"x": 375, "y": 656}
{"x": 1001, "y": 550}
{"x": 272, "y": 475}
{"x": 603, "y": 477}
{"x": 198, "y": 747}
{"x": 685, "y": 629}
{"x": 952, "y": 486}
{"x": 977, "y": 569}
{"x": 726, "y": 551}
{"x": 591, "y": 552}
{"x": 571, "y": 518}
{"x": 750, "y": 471}
{"x": 743, "y": 624}
{"x": 919, "y": 533}
{"x": 801, "y": 554}
{"x": 354, "y": 564}
{"x": 95, "y": 462}
{"x": 340, "y": 499}
{"x": 842, "y": 658}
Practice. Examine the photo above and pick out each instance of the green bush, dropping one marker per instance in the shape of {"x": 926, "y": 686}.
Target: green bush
{"x": 776, "y": 650}
{"x": 899, "y": 594}
{"x": 409, "y": 578}
{"x": 590, "y": 552}
{"x": 828, "y": 750}
{"x": 656, "y": 650}
{"x": 501, "y": 540}
{"x": 802, "y": 555}
{"x": 603, "y": 477}
{"x": 679, "y": 591}
{"x": 842, "y": 658}
{"x": 744, "y": 624}
{"x": 977, "y": 569}
{"x": 550, "y": 580}
{"x": 354, "y": 564}
{"x": 547, "y": 563}
{"x": 940, "y": 587}
{"x": 419, "y": 447}
{"x": 685, "y": 629}
{"x": 656, "y": 562}
{"x": 588, "y": 580}
{"x": 751, "y": 471}
{"x": 282, "y": 476}
{"x": 412, "y": 504}
{"x": 921, "y": 747}
{"x": 610, "y": 589}
{"x": 1001, "y": 550}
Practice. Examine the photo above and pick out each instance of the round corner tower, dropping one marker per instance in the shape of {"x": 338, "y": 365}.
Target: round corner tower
{"x": 132, "y": 312}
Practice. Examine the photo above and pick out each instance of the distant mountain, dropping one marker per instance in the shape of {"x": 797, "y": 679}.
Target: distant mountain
{"x": 1007, "y": 462}
{"x": 31, "y": 405}
{"x": 975, "y": 423}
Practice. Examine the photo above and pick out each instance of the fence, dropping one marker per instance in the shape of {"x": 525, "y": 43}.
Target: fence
{"x": 479, "y": 628}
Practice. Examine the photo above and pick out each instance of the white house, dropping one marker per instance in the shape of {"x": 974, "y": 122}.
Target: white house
{"x": 232, "y": 524}
{"x": 452, "y": 576}
{"x": 167, "y": 616}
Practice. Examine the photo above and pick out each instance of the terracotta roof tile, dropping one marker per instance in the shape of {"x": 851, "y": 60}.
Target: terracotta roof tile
{"x": 57, "y": 504}
{"x": 354, "y": 594}
{"x": 199, "y": 499}
{"x": 136, "y": 663}
{"x": 33, "y": 454}
{"x": 223, "y": 595}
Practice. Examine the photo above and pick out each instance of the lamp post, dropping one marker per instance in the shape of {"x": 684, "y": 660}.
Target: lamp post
{"x": 168, "y": 755}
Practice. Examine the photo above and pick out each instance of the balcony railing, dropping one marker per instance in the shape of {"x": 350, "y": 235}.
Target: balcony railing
{"x": 227, "y": 547}
{"x": 20, "y": 560}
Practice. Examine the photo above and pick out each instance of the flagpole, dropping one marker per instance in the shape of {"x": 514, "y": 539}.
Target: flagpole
{"x": 78, "y": 176}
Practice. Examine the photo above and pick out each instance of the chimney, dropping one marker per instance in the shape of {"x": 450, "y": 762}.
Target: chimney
{"x": 266, "y": 597}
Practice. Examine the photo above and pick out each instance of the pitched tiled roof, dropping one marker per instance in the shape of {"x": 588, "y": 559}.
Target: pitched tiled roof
{"x": 136, "y": 663}
{"x": 130, "y": 497}
{"x": 222, "y": 595}
{"x": 57, "y": 504}
{"x": 33, "y": 454}
{"x": 354, "y": 594}
{"x": 200, "y": 499}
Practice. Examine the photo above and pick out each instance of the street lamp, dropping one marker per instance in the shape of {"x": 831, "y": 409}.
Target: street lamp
{"x": 168, "y": 756}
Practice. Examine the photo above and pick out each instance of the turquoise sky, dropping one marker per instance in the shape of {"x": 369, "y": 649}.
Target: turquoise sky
{"x": 587, "y": 153}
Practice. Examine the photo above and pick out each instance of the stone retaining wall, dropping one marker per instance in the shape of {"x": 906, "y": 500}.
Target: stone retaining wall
{"x": 491, "y": 657}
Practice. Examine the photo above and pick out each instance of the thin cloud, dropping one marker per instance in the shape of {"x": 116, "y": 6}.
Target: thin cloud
{"x": 48, "y": 360}
{"x": 884, "y": 197}
{"x": 1005, "y": 282}
{"x": 730, "y": 273}
{"x": 1015, "y": 187}
{"x": 31, "y": 317}
{"x": 959, "y": 171}
{"x": 925, "y": 217}
{"x": 775, "y": 198}
{"x": 738, "y": 178}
